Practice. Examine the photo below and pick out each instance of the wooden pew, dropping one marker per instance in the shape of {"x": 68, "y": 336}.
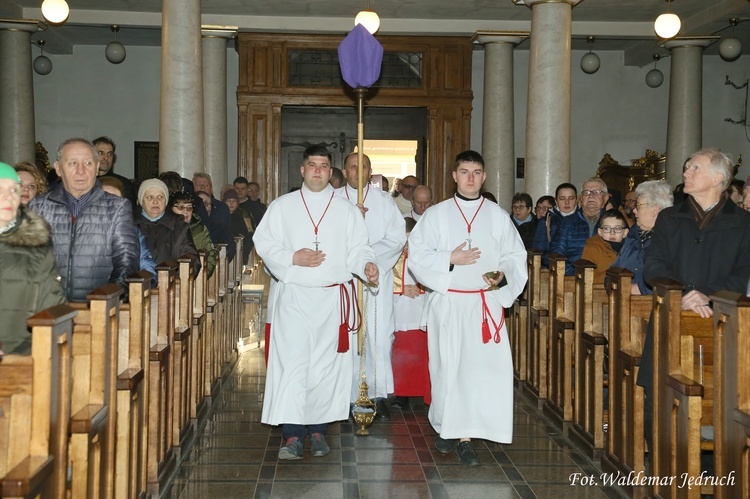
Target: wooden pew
{"x": 198, "y": 405}
{"x": 537, "y": 374}
{"x": 94, "y": 393}
{"x": 732, "y": 394}
{"x": 132, "y": 389}
{"x": 628, "y": 320}
{"x": 591, "y": 319}
{"x": 214, "y": 315}
{"x": 518, "y": 318}
{"x": 181, "y": 355}
{"x": 559, "y": 406}
{"x": 683, "y": 389}
{"x": 35, "y": 410}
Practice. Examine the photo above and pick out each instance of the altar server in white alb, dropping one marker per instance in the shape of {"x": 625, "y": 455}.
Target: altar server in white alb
{"x": 459, "y": 249}
{"x": 312, "y": 241}
{"x": 387, "y": 236}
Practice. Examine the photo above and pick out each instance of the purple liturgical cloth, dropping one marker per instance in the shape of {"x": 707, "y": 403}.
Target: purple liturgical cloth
{"x": 360, "y": 57}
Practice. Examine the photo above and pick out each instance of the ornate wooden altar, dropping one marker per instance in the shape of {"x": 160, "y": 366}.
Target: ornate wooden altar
{"x": 651, "y": 166}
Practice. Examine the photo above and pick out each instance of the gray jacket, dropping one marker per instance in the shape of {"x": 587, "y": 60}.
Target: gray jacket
{"x": 99, "y": 247}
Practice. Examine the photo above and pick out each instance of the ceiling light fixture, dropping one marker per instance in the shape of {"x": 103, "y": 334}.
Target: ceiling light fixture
{"x": 369, "y": 19}
{"x": 655, "y": 78}
{"x": 667, "y": 25}
{"x": 55, "y": 11}
{"x": 115, "y": 51}
{"x": 590, "y": 62}
{"x": 730, "y": 48}
{"x": 42, "y": 64}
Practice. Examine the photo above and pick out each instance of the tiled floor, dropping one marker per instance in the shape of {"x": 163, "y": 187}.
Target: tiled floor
{"x": 235, "y": 457}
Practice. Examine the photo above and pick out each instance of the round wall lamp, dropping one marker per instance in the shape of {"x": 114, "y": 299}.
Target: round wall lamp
{"x": 369, "y": 19}
{"x": 42, "y": 64}
{"x": 730, "y": 48}
{"x": 115, "y": 51}
{"x": 655, "y": 78}
{"x": 590, "y": 62}
{"x": 55, "y": 11}
{"x": 667, "y": 25}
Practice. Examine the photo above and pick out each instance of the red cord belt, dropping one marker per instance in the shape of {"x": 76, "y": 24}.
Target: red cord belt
{"x": 345, "y": 309}
{"x": 486, "y": 335}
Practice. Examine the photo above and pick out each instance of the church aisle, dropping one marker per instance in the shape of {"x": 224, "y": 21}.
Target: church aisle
{"x": 235, "y": 457}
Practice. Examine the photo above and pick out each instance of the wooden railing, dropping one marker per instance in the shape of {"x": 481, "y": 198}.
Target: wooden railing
{"x": 114, "y": 392}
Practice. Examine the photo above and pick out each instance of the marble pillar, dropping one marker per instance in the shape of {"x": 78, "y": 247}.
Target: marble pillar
{"x": 17, "y": 135}
{"x": 548, "y": 112}
{"x": 181, "y": 114}
{"x": 685, "y": 124}
{"x": 214, "y": 41}
{"x": 498, "y": 145}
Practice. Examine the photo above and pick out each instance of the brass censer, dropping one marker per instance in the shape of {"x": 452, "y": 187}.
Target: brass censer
{"x": 364, "y": 410}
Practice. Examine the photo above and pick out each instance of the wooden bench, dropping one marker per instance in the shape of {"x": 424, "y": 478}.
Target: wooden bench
{"x": 35, "y": 410}
{"x": 732, "y": 394}
{"x": 683, "y": 389}
{"x": 518, "y": 319}
{"x": 559, "y": 405}
{"x": 198, "y": 405}
{"x": 537, "y": 375}
{"x": 591, "y": 321}
{"x": 628, "y": 320}
{"x": 181, "y": 355}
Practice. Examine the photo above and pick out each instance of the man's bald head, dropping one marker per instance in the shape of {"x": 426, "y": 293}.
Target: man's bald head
{"x": 408, "y": 184}
{"x": 421, "y": 199}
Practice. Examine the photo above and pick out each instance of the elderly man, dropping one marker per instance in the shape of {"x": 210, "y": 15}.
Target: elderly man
{"x": 703, "y": 242}
{"x": 420, "y": 201}
{"x": 105, "y": 148}
{"x": 403, "y": 201}
{"x": 387, "y": 236}
{"x": 217, "y": 217}
{"x": 571, "y": 236}
{"x": 93, "y": 234}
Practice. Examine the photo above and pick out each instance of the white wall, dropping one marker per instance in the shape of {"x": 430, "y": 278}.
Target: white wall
{"x": 613, "y": 111}
{"x": 86, "y": 96}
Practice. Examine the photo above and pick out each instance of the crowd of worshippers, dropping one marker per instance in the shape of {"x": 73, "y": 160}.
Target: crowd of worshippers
{"x": 439, "y": 275}
{"x": 65, "y": 234}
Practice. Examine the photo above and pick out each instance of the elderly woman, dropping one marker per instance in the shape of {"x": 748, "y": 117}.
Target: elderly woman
{"x": 167, "y": 235}
{"x": 27, "y": 265}
{"x": 33, "y": 183}
{"x": 182, "y": 205}
{"x": 651, "y": 197}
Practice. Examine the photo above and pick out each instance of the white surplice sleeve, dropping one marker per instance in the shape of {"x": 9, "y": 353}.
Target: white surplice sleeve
{"x": 269, "y": 242}
{"x": 359, "y": 253}
{"x": 428, "y": 261}
{"x": 389, "y": 248}
{"x": 511, "y": 260}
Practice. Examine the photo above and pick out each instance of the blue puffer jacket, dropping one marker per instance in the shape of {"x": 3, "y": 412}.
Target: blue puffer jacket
{"x": 632, "y": 256}
{"x": 571, "y": 237}
{"x": 100, "y": 246}
{"x": 541, "y": 242}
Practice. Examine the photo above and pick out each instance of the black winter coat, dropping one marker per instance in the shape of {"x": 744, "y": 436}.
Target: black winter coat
{"x": 168, "y": 238}
{"x": 99, "y": 247}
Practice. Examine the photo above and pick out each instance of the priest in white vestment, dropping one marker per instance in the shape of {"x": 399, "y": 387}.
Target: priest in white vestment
{"x": 454, "y": 249}
{"x": 312, "y": 241}
{"x": 387, "y": 237}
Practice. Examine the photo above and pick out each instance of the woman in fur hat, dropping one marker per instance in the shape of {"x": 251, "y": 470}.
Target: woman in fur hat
{"x": 28, "y": 276}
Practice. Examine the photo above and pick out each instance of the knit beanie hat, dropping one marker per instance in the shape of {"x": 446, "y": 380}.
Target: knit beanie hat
{"x": 152, "y": 183}
{"x": 231, "y": 194}
{"x": 7, "y": 171}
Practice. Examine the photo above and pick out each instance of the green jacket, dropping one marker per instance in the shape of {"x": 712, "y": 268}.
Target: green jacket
{"x": 202, "y": 241}
{"x": 28, "y": 277}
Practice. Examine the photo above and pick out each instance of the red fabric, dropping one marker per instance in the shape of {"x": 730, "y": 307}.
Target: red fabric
{"x": 411, "y": 374}
{"x": 268, "y": 340}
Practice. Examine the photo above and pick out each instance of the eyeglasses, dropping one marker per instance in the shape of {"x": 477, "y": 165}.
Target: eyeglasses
{"x": 607, "y": 229}
{"x": 409, "y": 186}
{"x": 183, "y": 207}
{"x": 638, "y": 206}
{"x": 595, "y": 192}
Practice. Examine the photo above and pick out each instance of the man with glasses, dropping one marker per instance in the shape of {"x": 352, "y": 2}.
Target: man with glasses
{"x": 576, "y": 229}
{"x": 408, "y": 184}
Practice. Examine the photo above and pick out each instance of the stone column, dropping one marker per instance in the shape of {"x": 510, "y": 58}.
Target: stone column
{"x": 548, "y": 112}
{"x": 181, "y": 116}
{"x": 214, "y": 41}
{"x": 17, "y": 94}
{"x": 685, "y": 125}
{"x": 498, "y": 145}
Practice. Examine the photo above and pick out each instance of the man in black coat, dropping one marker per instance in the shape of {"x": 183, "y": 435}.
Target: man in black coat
{"x": 105, "y": 148}
{"x": 216, "y": 218}
{"x": 703, "y": 242}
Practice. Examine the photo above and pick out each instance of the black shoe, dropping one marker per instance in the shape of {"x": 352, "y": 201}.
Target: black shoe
{"x": 466, "y": 454}
{"x": 381, "y": 411}
{"x": 445, "y": 445}
{"x": 401, "y": 403}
